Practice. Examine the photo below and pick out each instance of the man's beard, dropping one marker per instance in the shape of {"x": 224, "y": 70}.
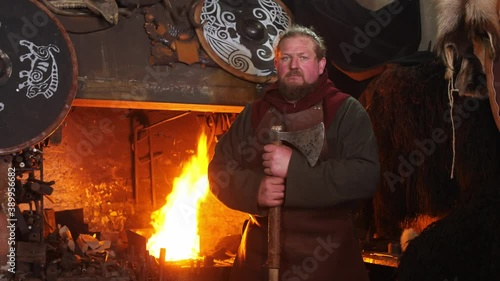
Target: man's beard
{"x": 294, "y": 93}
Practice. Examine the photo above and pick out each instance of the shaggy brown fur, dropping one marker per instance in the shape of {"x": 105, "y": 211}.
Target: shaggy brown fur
{"x": 409, "y": 105}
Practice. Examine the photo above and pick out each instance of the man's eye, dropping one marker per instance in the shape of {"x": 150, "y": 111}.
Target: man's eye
{"x": 285, "y": 58}
{"x": 303, "y": 58}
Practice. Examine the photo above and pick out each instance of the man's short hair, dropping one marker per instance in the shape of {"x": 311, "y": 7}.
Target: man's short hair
{"x": 296, "y": 30}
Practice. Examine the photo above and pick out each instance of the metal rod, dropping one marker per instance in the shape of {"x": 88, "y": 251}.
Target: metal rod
{"x": 163, "y": 253}
{"x": 151, "y": 170}
{"x": 167, "y": 120}
{"x": 136, "y": 165}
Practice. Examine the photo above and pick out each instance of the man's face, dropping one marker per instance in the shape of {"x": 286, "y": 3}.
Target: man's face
{"x": 298, "y": 67}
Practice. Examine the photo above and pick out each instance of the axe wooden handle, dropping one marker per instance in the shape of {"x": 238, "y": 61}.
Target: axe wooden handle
{"x": 273, "y": 250}
{"x": 273, "y": 231}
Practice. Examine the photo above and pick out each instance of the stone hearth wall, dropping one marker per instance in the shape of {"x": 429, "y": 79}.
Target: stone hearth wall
{"x": 93, "y": 169}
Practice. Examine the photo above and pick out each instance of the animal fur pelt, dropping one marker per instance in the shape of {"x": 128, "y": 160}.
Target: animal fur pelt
{"x": 460, "y": 24}
{"x": 410, "y": 113}
{"x": 468, "y": 34}
{"x": 463, "y": 246}
{"x": 462, "y": 20}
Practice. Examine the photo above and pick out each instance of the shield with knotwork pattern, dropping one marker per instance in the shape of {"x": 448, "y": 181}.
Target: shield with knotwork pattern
{"x": 239, "y": 35}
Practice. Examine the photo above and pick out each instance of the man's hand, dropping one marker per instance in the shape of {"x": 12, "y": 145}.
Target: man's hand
{"x": 271, "y": 192}
{"x": 276, "y": 159}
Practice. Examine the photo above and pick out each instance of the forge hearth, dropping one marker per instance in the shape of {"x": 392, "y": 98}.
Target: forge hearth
{"x": 205, "y": 268}
{"x": 94, "y": 169}
{"x": 95, "y": 188}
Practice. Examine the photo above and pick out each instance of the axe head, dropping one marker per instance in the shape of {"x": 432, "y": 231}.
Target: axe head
{"x": 308, "y": 141}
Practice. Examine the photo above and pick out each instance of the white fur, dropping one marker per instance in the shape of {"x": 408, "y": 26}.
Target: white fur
{"x": 482, "y": 15}
{"x": 407, "y": 235}
{"x": 449, "y": 15}
{"x": 482, "y": 11}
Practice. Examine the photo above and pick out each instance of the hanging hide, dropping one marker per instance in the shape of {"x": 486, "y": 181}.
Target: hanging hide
{"x": 429, "y": 159}
{"x": 410, "y": 113}
{"x": 468, "y": 40}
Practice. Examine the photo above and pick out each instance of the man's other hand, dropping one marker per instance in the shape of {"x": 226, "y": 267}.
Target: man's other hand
{"x": 276, "y": 159}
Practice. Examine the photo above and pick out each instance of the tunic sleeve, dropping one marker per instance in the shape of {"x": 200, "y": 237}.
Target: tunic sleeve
{"x": 231, "y": 176}
{"x": 352, "y": 170}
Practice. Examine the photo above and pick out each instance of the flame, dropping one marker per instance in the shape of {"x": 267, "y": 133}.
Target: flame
{"x": 176, "y": 224}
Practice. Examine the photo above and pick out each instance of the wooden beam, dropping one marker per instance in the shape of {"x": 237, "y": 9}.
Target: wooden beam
{"x": 157, "y": 105}
{"x": 180, "y": 96}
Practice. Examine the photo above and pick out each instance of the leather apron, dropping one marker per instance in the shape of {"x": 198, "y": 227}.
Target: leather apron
{"x": 316, "y": 244}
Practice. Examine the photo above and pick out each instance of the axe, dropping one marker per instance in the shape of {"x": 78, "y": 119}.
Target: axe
{"x": 310, "y": 143}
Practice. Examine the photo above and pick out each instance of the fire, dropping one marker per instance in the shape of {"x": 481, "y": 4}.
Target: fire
{"x": 176, "y": 223}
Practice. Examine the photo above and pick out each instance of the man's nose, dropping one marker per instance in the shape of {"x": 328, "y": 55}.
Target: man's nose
{"x": 294, "y": 63}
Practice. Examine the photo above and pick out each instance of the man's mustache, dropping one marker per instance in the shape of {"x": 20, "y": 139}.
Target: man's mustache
{"x": 294, "y": 72}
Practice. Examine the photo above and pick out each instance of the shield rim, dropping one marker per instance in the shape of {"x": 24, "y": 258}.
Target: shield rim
{"x": 69, "y": 97}
{"x": 240, "y": 74}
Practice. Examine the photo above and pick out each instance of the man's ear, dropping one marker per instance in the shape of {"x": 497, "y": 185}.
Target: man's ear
{"x": 276, "y": 59}
{"x": 321, "y": 65}
{"x": 277, "y": 55}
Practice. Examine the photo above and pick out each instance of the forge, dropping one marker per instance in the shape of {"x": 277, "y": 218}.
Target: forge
{"x": 118, "y": 178}
{"x": 203, "y": 268}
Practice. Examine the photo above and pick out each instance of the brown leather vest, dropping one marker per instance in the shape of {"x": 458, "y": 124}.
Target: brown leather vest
{"x": 316, "y": 244}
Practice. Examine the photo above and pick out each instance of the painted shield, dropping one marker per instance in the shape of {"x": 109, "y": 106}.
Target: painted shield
{"x": 38, "y": 74}
{"x": 239, "y": 35}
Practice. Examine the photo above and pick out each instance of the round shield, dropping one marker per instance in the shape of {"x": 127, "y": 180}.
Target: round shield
{"x": 38, "y": 74}
{"x": 239, "y": 35}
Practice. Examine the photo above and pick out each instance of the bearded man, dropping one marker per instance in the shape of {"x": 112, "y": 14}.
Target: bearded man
{"x": 250, "y": 174}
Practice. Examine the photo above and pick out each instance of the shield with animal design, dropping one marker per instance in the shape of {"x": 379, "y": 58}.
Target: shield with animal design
{"x": 239, "y": 35}
{"x": 38, "y": 74}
